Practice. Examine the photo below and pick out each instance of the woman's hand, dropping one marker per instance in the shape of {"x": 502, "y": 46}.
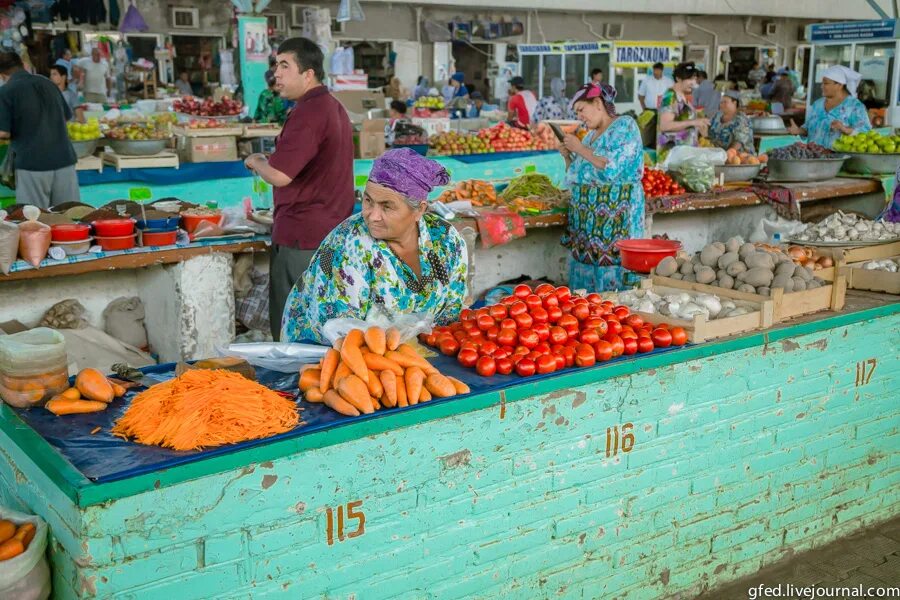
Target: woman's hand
{"x": 566, "y": 154}
{"x": 702, "y": 126}
{"x": 251, "y": 161}
{"x": 794, "y": 129}
{"x": 572, "y": 143}
{"x": 840, "y": 127}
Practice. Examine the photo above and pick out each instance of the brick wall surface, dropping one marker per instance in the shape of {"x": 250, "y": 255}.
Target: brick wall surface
{"x": 737, "y": 461}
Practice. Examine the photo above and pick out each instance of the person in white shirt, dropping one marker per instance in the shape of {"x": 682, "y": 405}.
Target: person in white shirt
{"x": 95, "y": 78}
{"x": 652, "y": 88}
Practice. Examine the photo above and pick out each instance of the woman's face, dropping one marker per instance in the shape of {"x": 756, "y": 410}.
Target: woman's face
{"x": 728, "y": 106}
{"x": 56, "y": 77}
{"x": 387, "y": 214}
{"x": 687, "y": 85}
{"x": 831, "y": 89}
{"x": 590, "y": 112}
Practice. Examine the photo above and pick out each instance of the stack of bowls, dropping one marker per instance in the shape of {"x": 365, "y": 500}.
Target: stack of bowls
{"x": 73, "y": 238}
{"x": 161, "y": 231}
{"x": 114, "y": 234}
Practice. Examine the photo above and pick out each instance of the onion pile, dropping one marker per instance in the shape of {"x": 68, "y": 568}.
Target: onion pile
{"x": 809, "y": 258}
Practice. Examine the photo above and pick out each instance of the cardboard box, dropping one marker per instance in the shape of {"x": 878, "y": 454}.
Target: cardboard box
{"x": 207, "y": 149}
{"x": 349, "y": 82}
{"x": 358, "y": 103}
{"x": 371, "y": 142}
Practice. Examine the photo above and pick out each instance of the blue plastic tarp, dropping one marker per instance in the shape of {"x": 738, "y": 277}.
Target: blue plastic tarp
{"x": 103, "y": 457}
{"x": 186, "y": 173}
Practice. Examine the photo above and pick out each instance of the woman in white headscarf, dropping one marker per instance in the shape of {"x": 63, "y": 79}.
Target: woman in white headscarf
{"x": 838, "y": 112}
{"x": 554, "y": 106}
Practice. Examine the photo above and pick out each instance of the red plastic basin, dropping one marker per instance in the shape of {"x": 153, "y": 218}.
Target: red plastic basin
{"x": 191, "y": 222}
{"x": 123, "y": 242}
{"x": 113, "y": 227}
{"x": 69, "y": 232}
{"x": 158, "y": 238}
{"x": 643, "y": 255}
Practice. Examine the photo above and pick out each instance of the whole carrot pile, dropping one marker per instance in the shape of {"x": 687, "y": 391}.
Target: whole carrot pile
{"x": 204, "y": 408}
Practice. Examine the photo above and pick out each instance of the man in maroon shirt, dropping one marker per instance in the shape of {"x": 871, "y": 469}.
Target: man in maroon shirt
{"x": 311, "y": 170}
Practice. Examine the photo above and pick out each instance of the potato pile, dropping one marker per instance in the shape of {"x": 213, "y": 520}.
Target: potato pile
{"x": 740, "y": 266}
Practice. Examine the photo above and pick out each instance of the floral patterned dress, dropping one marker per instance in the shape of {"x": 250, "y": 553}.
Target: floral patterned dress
{"x": 851, "y": 112}
{"x": 607, "y": 206}
{"x": 549, "y": 108}
{"x": 352, "y": 272}
{"x": 683, "y": 111}
{"x": 738, "y": 130}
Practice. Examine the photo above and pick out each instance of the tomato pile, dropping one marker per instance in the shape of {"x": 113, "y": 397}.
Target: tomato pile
{"x": 658, "y": 183}
{"x": 545, "y": 330}
{"x": 504, "y": 138}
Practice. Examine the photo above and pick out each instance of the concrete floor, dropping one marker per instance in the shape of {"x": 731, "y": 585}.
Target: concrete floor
{"x": 870, "y": 558}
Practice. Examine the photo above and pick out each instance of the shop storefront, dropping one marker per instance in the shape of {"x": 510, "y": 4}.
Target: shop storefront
{"x": 571, "y": 61}
{"x": 633, "y": 62}
{"x": 869, "y": 47}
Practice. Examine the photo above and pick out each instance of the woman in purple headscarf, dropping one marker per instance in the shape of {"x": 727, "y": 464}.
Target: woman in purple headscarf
{"x": 394, "y": 256}
{"x": 603, "y": 172}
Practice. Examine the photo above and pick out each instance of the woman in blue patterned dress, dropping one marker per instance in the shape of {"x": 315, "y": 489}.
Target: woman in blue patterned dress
{"x": 393, "y": 257}
{"x": 838, "y": 112}
{"x": 604, "y": 175}
{"x": 730, "y": 128}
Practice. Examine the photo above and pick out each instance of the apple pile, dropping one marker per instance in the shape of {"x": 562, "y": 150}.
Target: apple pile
{"x": 505, "y": 138}
{"x": 546, "y": 330}
{"x": 208, "y": 124}
{"x": 207, "y": 108}
{"x": 452, "y": 142}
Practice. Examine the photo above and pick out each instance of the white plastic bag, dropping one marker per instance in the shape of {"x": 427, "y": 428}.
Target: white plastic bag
{"x": 765, "y": 230}
{"x": 682, "y": 154}
{"x": 409, "y": 325}
{"x": 27, "y": 576}
{"x": 282, "y": 357}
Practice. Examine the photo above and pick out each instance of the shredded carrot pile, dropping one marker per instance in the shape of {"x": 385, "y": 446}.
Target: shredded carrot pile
{"x": 204, "y": 408}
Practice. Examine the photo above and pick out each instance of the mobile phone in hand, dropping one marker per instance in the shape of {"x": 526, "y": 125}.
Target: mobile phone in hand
{"x": 557, "y": 131}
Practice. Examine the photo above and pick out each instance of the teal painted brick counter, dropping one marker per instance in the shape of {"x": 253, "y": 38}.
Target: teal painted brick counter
{"x": 646, "y": 479}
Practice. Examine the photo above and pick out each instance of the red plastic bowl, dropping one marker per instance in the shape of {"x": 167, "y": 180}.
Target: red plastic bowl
{"x": 123, "y": 242}
{"x": 191, "y": 222}
{"x": 113, "y": 227}
{"x": 158, "y": 238}
{"x": 69, "y": 232}
{"x": 643, "y": 255}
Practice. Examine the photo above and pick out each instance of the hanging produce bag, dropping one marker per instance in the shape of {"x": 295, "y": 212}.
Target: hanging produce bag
{"x": 499, "y": 226}
{"x": 26, "y": 576}
{"x": 9, "y": 243}
{"x": 34, "y": 237}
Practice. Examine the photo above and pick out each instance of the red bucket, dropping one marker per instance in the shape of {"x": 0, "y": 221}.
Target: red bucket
{"x": 643, "y": 255}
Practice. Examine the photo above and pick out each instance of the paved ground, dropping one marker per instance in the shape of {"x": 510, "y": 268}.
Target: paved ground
{"x": 870, "y": 559}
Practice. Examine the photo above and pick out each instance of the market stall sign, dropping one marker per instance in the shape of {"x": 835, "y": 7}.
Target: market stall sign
{"x": 636, "y": 55}
{"x": 139, "y": 194}
{"x": 564, "y": 48}
{"x": 854, "y": 30}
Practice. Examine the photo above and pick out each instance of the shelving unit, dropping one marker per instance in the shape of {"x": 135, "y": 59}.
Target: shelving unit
{"x": 188, "y": 52}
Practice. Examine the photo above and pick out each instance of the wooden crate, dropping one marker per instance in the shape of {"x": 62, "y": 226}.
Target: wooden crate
{"x": 257, "y": 132}
{"x": 700, "y": 329}
{"x": 850, "y": 254}
{"x": 787, "y": 306}
{"x": 211, "y": 132}
{"x": 873, "y": 281}
{"x": 89, "y": 163}
{"x": 119, "y": 161}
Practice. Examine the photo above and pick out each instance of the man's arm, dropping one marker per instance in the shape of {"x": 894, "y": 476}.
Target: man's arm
{"x": 4, "y": 135}
{"x": 261, "y": 166}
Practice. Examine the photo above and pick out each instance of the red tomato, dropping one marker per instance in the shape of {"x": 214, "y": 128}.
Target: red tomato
{"x": 584, "y": 356}
{"x": 543, "y": 348}
{"x": 504, "y": 365}
{"x": 607, "y": 304}
{"x": 485, "y": 322}
{"x": 628, "y": 333}
{"x": 509, "y": 300}
{"x": 617, "y": 344}
{"x": 523, "y": 321}
{"x": 566, "y": 306}
{"x": 469, "y": 326}
{"x": 544, "y": 289}
{"x": 459, "y": 336}
{"x": 594, "y": 298}
{"x": 476, "y": 335}
{"x": 467, "y": 314}
{"x": 534, "y": 355}
{"x": 498, "y": 312}
{"x": 520, "y": 349}
{"x": 482, "y": 311}
{"x": 589, "y": 336}
{"x": 431, "y": 339}
{"x": 581, "y": 311}
{"x": 603, "y": 350}
{"x": 554, "y": 313}
{"x": 644, "y": 344}
{"x": 469, "y": 343}
{"x": 529, "y": 338}
{"x": 634, "y": 321}
{"x": 492, "y": 332}
{"x": 546, "y": 364}
{"x": 593, "y": 323}
{"x": 558, "y": 335}
{"x": 500, "y": 353}
{"x": 534, "y": 301}
{"x": 613, "y": 326}
{"x": 508, "y": 323}
{"x": 488, "y": 348}
{"x": 486, "y": 366}
{"x": 525, "y": 367}
{"x": 539, "y": 314}
{"x": 630, "y": 346}
{"x": 550, "y": 300}
{"x": 660, "y": 326}
{"x": 517, "y": 308}
{"x": 579, "y": 300}
{"x": 596, "y": 310}
{"x": 569, "y": 353}
{"x": 449, "y": 346}
{"x": 467, "y": 357}
{"x": 542, "y": 330}
{"x": 679, "y": 336}
{"x": 621, "y": 312}
{"x": 563, "y": 293}
{"x": 507, "y": 336}
{"x": 521, "y": 291}
{"x": 569, "y": 323}
{"x": 560, "y": 361}
{"x": 662, "y": 338}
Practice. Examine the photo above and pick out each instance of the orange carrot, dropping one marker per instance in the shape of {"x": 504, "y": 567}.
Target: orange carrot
{"x": 313, "y": 395}
{"x": 354, "y": 390}
{"x": 118, "y": 390}
{"x": 461, "y": 388}
{"x": 353, "y": 358}
{"x": 206, "y": 408}
{"x": 71, "y": 394}
{"x": 380, "y": 363}
{"x": 375, "y": 403}
{"x": 25, "y": 533}
{"x": 342, "y": 371}
{"x": 406, "y": 361}
{"x": 440, "y": 386}
{"x": 95, "y": 430}
{"x": 329, "y": 364}
{"x": 425, "y": 396}
{"x": 355, "y": 338}
{"x": 389, "y": 383}
{"x": 413, "y": 378}
{"x": 309, "y": 379}
{"x": 338, "y": 343}
{"x": 375, "y": 387}
{"x": 392, "y": 338}
{"x": 401, "y": 392}
{"x": 334, "y": 401}
{"x": 94, "y": 386}
{"x": 11, "y": 549}
{"x": 376, "y": 340}
{"x": 60, "y": 406}
{"x": 7, "y": 530}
